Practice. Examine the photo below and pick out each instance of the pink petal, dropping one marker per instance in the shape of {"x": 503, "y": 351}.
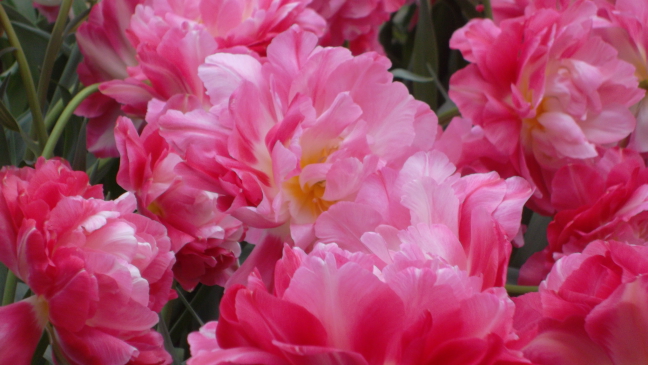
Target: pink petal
{"x": 20, "y": 330}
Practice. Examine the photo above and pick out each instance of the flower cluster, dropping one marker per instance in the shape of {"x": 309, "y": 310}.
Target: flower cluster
{"x": 98, "y": 271}
{"x": 380, "y": 233}
{"x": 545, "y": 90}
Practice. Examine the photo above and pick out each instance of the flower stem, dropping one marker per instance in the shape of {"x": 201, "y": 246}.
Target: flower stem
{"x": 488, "y": 9}
{"x": 53, "y": 114}
{"x": 520, "y": 289}
{"x": 53, "y": 46}
{"x": 10, "y": 288}
{"x": 62, "y": 121}
{"x": 25, "y": 74}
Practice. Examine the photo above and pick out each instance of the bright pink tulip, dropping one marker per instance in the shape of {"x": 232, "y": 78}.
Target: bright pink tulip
{"x": 98, "y": 272}
{"x": 204, "y": 239}
{"x": 591, "y": 309}
{"x": 468, "y": 221}
{"x": 335, "y": 307}
{"x": 545, "y": 90}
{"x": 355, "y": 21}
{"x": 607, "y": 200}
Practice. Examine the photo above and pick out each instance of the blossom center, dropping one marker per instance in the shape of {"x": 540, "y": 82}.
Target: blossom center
{"x": 308, "y": 198}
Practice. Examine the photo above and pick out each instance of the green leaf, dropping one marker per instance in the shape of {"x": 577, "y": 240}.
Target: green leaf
{"x": 26, "y": 9}
{"x": 79, "y": 6}
{"x": 16, "y": 15}
{"x": 74, "y": 23}
{"x": 80, "y": 153}
{"x": 424, "y": 54}
{"x": 69, "y": 77}
{"x": 410, "y": 76}
{"x": 66, "y": 95}
{"x": 7, "y": 120}
{"x": 5, "y": 152}
{"x": 3, "y": 277}
{"x": 7, "y": 50}
{"x": 41, "y": 34}
{"x": 168, "y": 343}
{"x": 535, "y": 239}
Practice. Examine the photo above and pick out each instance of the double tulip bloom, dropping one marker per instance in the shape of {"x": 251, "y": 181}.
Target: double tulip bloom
{"x": 97, "y": 271}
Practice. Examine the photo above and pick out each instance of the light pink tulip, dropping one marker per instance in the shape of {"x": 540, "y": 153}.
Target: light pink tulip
{"x": 98, "y": 272}
{"x": 204, "y": 239}
{"x": 283, "y": 143}
{"x": 591, "y": 309}
{"x": 627, "y": 32}
{"x": 545, "y": 90}
{"x": 468, "y": 221}
{"x": 336, "y": 307}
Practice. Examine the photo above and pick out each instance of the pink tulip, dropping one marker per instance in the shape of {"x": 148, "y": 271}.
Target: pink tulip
{"x": 98, "y": 272}
{"x": 145, "y": 49}
{"x": 335, "y": 307}
{"x": 468, "y": 221}
{"x": 591, "y": 309}
{"x": 204, "y": 239}
{"x": 607, "y": 200}
{"x": 282, "y": 144}
{"x": 355, "y": 21}
{"x": 545, "y": 90}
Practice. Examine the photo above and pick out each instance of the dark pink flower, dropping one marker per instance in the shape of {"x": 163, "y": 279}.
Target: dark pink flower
{"x": 591, "y": 309}
{"x": 98, "y": 272}
{"x": 335, "y": 307}
{"x": 204, "y": 239}
{"x": 603, "y": 201}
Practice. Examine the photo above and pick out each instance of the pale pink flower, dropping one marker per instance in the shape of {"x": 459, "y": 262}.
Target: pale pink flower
{"x": 602, "y": 201}
{"x": 545, "y": 90}
{"x": 336, "y": 307}
{"x": 468, "y": 221}
{"x": 288, "y": 138}
{"x": 204, "y": 239}
{"x": 98, "y": 271}
{"x": 355, "y": 21}
{"x": 591, "y": 309}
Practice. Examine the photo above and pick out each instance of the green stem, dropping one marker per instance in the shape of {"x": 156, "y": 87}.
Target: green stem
{"x": 189, "y": 307}
{"x": 10, "y": 288}
{"x": 62, "y": 121}
{"x": 25, "y": 74}
{"x": 488, "y": 9}
{"x": 446, "y": 116}
{"x": 53, "y": 47}
{"x": 199, "y": 296}
{"x": 520, "y": 289}
{"x": 53, "y": 114}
